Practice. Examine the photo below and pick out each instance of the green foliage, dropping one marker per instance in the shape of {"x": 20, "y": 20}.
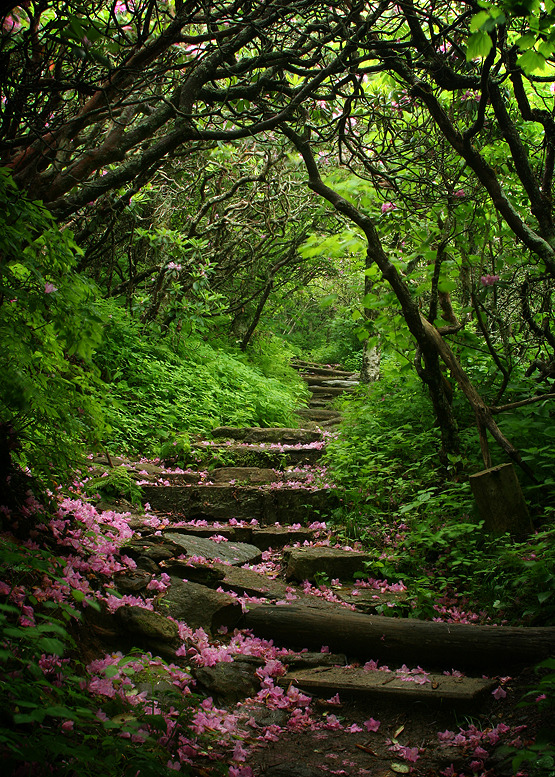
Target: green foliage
{"x": 161, "y": 388}
{"x": 115, "y": 483}
{"x": 49, "y": 721}
{"x": 539, "y": 757}
{"x": 49, "y": 327}
{"x": 418, "y": 519}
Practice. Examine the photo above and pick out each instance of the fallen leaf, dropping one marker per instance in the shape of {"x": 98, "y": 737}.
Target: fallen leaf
{"x": 399, "y": 731}
{"x": 367, "y": 750}
{"x": 399, "y": 768}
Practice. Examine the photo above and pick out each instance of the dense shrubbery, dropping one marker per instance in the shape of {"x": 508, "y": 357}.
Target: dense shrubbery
{"x": 419, "y": 518}
{"x": 161, "y": 388}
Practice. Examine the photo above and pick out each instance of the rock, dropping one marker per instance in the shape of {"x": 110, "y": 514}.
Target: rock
{"x": 263, "y": 716}
{"x": 194, "y": 572}
{"x": 246, "y": 581}
{"x": 263, "y": 456}
{"x": 155, "y": 549}
{"x": 234, "y": 533}
{"x": 314, "y": 414}
{"x": 235, "y": 680}
{"x": 262, "y": 434}
{"x": 147, "y": 564}
{"x": 346, "y": 384}
{"x": 244, "y": 475}
{"x": 132, "y": 580}
{"x": 371, "y": 600}
{"x": 199, "y": 606}
{"x": 138, "y": 621}
{"x": 355, "y": 680}
{"x": 278, "y": 536}
{"x": 235, "y": 552}
{"x": 308, "y": 563}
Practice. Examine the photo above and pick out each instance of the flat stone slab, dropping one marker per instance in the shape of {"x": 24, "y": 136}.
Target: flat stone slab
{"x": 311, "y": 371}
{"x": 225, "y": 501}
{"x": 232, "y": 533}
{"x": 331, "y": 391}
{"x": 276, "y": 456}
{"x": 256, "y": 434}
{"x": 308, "y": 563}
{"x": 314, "y": 414}
{"x": 357, "y": 680}
{"x": 236, "y": 553}
{"x": 255, "y": 475}
{"x": 278, "y": 536}
{"x": 346, "y": 384}
{"x": 246, "y": 581}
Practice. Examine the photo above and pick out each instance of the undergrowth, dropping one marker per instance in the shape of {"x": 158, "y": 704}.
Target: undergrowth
{"x": 160, "y": 389}
{"x": 418, "y": 518}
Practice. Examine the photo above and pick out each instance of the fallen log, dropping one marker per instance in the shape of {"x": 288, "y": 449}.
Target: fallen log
{"x": 426, "y": 643}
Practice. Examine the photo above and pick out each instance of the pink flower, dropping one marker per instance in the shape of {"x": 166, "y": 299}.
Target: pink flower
{"x": 409, "y": 753}
{"x": 499, "y": 693}
{"x": 489, "y": 280}
{"x": 387, "y": 207}
{"x": 67, "y": 725}
{"x": 459, "y": 193}
{"x": 49, "y": 288}
{"x": 372, "y": 725}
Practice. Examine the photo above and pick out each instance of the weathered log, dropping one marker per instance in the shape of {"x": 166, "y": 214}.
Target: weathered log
{"x": 500, "y": 501}
{"x": 406, "y": 640}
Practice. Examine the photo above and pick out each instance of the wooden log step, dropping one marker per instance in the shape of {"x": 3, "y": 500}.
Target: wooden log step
{"x": 256, "y": 434}
{"x": 328, "y": 680}
{"x": 426, "y": 643}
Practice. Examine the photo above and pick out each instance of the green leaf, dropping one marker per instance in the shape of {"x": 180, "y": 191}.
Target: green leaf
{"x": 526, "y": 42}
{"x": 399, "y": 768}
{"x": 478, "y": 45}
{"x": 446, "y": 286}
{"x": 531, "y": 62}
{"x": 51, "y": 645}
{"x": 479, "y": 20}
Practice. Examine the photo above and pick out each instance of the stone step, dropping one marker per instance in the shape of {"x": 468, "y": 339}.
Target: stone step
{"x": 318, "y": 380}
{"x": 222, "y": 502}
{"x": 270, "y": 455}
{"x": 317, "y": 414}
{"x": 327, "y": 680}
{"x": 263, "y": 538}
{"x": 328, "y": 372}
{"x": 242, "y": 476}
{"x": 329, "y": 391}
{"x": 257, "y": 434}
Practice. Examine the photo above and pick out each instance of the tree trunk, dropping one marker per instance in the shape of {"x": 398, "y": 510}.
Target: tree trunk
{"x": 501, "y": 502}
{"x": 406, "y": 640}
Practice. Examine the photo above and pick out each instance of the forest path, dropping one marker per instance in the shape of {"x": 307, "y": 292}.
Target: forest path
{"x": 241, "y": 547}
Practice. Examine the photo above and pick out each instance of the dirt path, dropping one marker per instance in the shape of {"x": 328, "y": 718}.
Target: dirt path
{"x": 242, "y": 537}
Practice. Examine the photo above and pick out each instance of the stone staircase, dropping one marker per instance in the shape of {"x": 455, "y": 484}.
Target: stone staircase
{"x": 326, "y": 383}
{"x": 239, "y": 542}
